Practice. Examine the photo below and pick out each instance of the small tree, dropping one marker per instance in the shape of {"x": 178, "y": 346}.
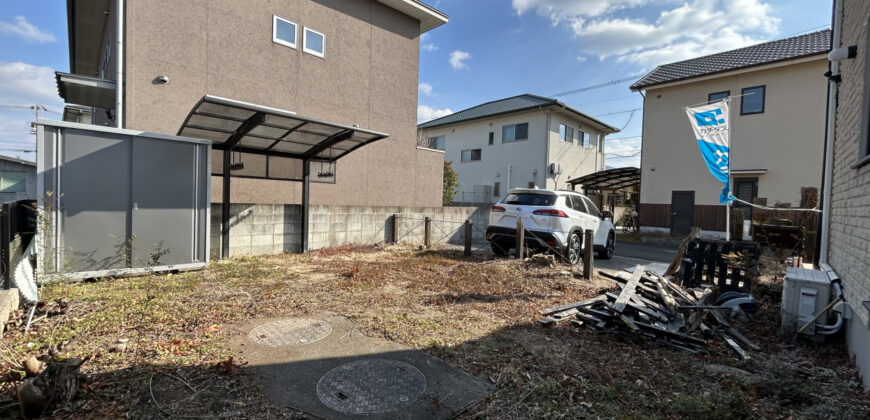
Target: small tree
{"x": 451, "y": 184}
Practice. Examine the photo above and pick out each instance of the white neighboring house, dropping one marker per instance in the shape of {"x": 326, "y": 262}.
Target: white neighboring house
{"x": 17, "y": 179}
{"x": 525, "y": 141}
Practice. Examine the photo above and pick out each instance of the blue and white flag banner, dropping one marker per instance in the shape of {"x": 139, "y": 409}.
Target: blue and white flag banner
{"x": 711, "y": 124}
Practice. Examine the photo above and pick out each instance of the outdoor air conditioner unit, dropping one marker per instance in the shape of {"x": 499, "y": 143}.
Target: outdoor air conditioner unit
{"x": 555, "y": 168}
{"x": 804, "y": 294}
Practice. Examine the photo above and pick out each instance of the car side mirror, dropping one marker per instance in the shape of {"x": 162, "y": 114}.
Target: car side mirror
{"x": 607, "y": 215}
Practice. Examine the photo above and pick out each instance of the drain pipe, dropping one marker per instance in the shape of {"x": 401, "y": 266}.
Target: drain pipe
{"x": 119, "y": 63}
{"x": 830, "y": 131}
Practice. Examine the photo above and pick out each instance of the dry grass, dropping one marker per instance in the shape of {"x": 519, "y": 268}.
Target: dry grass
{"x": 474, "y": 313}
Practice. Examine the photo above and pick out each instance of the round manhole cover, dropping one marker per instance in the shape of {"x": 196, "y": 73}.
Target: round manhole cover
{"x": 371, "y": 386}
{"x": 290, "y": 332}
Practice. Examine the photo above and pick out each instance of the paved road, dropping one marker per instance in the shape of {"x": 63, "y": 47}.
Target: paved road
{"x": 628, "y": 254}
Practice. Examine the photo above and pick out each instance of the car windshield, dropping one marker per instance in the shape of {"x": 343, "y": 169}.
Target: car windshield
{"x": 530, "y": 199}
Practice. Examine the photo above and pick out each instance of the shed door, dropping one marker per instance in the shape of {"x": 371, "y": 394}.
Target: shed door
{"x": 682, "y": 211}
{"x": 94, "y": 200}
{"x": 163, "y": 199}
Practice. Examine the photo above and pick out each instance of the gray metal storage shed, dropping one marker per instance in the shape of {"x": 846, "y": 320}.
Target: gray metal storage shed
{"x": 119, "y": 201}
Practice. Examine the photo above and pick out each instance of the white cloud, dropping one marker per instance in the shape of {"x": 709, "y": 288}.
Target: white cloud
{"x": 690, "y": 29}
{"x": 425, "y": 88}
{"x": 21, "y": 28}
{"x": 622, "y": 152}
{"x": 427, "y": 46}
{"x": 581, "y": 58}
{"x": 427, "y": 113}
{"x": 22, "y": 85}
{"x": 457, "y": 59}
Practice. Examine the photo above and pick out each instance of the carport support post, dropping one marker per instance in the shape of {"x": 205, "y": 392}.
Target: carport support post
{"x": 468, "y": 237}
{"x": 521, "y": 237}
{"x": 395, "y": 238}
{"x": 427, "y": 232}
{"x": 587, "y": 254}
{"x": 306, "y": 196}
{"x": 225, "y": 208}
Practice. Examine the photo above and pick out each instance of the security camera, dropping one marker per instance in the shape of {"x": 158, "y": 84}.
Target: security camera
{"x": 163, "y": 79}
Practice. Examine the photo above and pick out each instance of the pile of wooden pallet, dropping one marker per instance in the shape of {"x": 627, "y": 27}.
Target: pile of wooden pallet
{"x": 652, "y": 306}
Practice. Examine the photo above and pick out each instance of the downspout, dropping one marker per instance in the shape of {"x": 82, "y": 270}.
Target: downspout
{"x": 119, "y": 64}
{"x": 830, "y": 131}
{"x": 546, "y": 171}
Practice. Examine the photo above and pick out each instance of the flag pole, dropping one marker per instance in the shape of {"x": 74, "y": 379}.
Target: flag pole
{"x": 730, "y": 155}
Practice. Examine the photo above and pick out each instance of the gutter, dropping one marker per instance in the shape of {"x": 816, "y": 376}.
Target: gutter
{"x": 119, "y": 64}
{"x": 830, "y": 131}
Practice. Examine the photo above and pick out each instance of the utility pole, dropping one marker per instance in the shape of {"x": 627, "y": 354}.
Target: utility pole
{"x": 36, "y": 108}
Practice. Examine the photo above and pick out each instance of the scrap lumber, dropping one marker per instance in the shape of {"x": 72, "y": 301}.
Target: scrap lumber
{"x": 678, "y": 258}
{"x": 628, "y": 291}
{"x": 651, "y": 306}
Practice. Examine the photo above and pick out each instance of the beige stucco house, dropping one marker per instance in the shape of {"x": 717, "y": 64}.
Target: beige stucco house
{"x": 846, "y": 230}
{"x": 353, "y": 63}
{"x": 777, "y": 121}
{"x": 524, "y": 141}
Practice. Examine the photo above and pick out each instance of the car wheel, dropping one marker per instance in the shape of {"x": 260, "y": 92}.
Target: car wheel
{"x": 499, "y": 248}
{"x": 574, "y": 250}
{"x": 607, "y": 252}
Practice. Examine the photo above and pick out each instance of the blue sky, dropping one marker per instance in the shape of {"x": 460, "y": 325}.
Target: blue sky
{"x": 547, "y": 47}
{"x": 491, "y": 49}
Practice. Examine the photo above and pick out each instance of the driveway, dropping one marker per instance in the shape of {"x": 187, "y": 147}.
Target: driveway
{"x": 655, "y": 257}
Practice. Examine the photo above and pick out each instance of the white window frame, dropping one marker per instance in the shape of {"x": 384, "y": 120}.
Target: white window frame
{"x": 275, "y": 39}
{"x": 305, "y": 48}
{"x": 470, "y": 155}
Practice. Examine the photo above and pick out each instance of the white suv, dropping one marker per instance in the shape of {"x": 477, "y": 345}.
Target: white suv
{"x": 552, "y": 220}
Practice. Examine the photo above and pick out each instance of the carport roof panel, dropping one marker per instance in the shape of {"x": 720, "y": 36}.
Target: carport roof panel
{"x": 611, "y": 179}
{"x": 237, "y": 125}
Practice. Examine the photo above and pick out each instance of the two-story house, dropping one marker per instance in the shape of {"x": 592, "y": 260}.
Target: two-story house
{"x": 777, "y": 131}
{"x": 845, "y": 233}
{"x": 353, "y": 63}
{"x": 525, "y": 141}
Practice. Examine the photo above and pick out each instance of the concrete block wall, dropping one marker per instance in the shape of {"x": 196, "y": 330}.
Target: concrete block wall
{"x": 339, "y": 225}
{"x": 258, "y": 229}
{"x": 274, "y": 228}
{"x": 850, "y": 192}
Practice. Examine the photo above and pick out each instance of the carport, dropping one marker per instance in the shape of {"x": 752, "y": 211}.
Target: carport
{"x": 608, "y": 180}
{"x": 282, "y": 143}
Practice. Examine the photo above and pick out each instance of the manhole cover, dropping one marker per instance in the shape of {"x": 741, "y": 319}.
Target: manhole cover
{"x": 290, "y": 332}
{"x": 371, "y": 386}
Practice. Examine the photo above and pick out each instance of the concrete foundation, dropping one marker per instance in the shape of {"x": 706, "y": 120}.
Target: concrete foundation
{"x": 858, "y": 339}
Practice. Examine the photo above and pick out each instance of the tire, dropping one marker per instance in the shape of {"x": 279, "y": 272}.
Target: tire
{"x": 499, "y": 248}
{"x": 606, "y": 253}
{"x": 574, "y": 249}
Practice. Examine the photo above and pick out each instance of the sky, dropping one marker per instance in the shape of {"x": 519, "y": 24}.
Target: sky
{"x": 490, "y": 49}
{"x": 494, "y": 49}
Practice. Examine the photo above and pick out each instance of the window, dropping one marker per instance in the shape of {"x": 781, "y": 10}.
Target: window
{"x": 531, "y": 184}
{"x": 752, "y": 101}
{"x": 491, "y": 138}
{"x": 13, "y": 181}
{"x": 530, "y": 199}
{"x": 718, "y": 96}
{"x": 436, "y": 143}
{"x": 575, "y": 203}
{"x": 562, "y": 130}
{"x": 515, "y": 132}
{"x": 471, "y": 155}
{"x": 314, "y": 42}
{"x": 283, "y": 32}
{"x": 582, "y": 138}
{"x": 590, "y": 206}
{"x": 569, "y": 134}
{"x": 496, "y": 189}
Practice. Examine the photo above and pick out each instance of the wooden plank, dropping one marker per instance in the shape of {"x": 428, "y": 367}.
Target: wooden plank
{"x": 643, "y": 309}
{"x": 628, "y": 291}
{"x": 668, "y": 300}
{"x": 680, "y": 336}
{"x": 678, "y": 258}
{"x": 586, "y": 302}
{"x": 628, "y": 322}
{"x": 564, "y": 314}
{"x": 734, "y": 346}
{"x": 547, "y": 322}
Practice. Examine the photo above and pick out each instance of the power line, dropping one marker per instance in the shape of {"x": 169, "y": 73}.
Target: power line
{"x": 621, "y": 98}
{"x": 618, "y": 112}
{"x": 598, "y": 86}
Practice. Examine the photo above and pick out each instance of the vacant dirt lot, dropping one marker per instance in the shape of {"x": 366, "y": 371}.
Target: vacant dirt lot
{"x": 158, "y": 344}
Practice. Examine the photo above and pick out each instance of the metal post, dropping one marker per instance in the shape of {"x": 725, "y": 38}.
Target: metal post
{"x": 587, "y": 254}
{"x": 521, "y": 237}
{"x": 427, "y": 232}
{"x": 225, "y": 208}
{"x": 395, "y": 239}
{"x": 306, "y": 197}
{"x": 468, "y": 237}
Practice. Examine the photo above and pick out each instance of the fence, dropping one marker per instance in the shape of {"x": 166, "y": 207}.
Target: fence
{"x": 428, "y": 231}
